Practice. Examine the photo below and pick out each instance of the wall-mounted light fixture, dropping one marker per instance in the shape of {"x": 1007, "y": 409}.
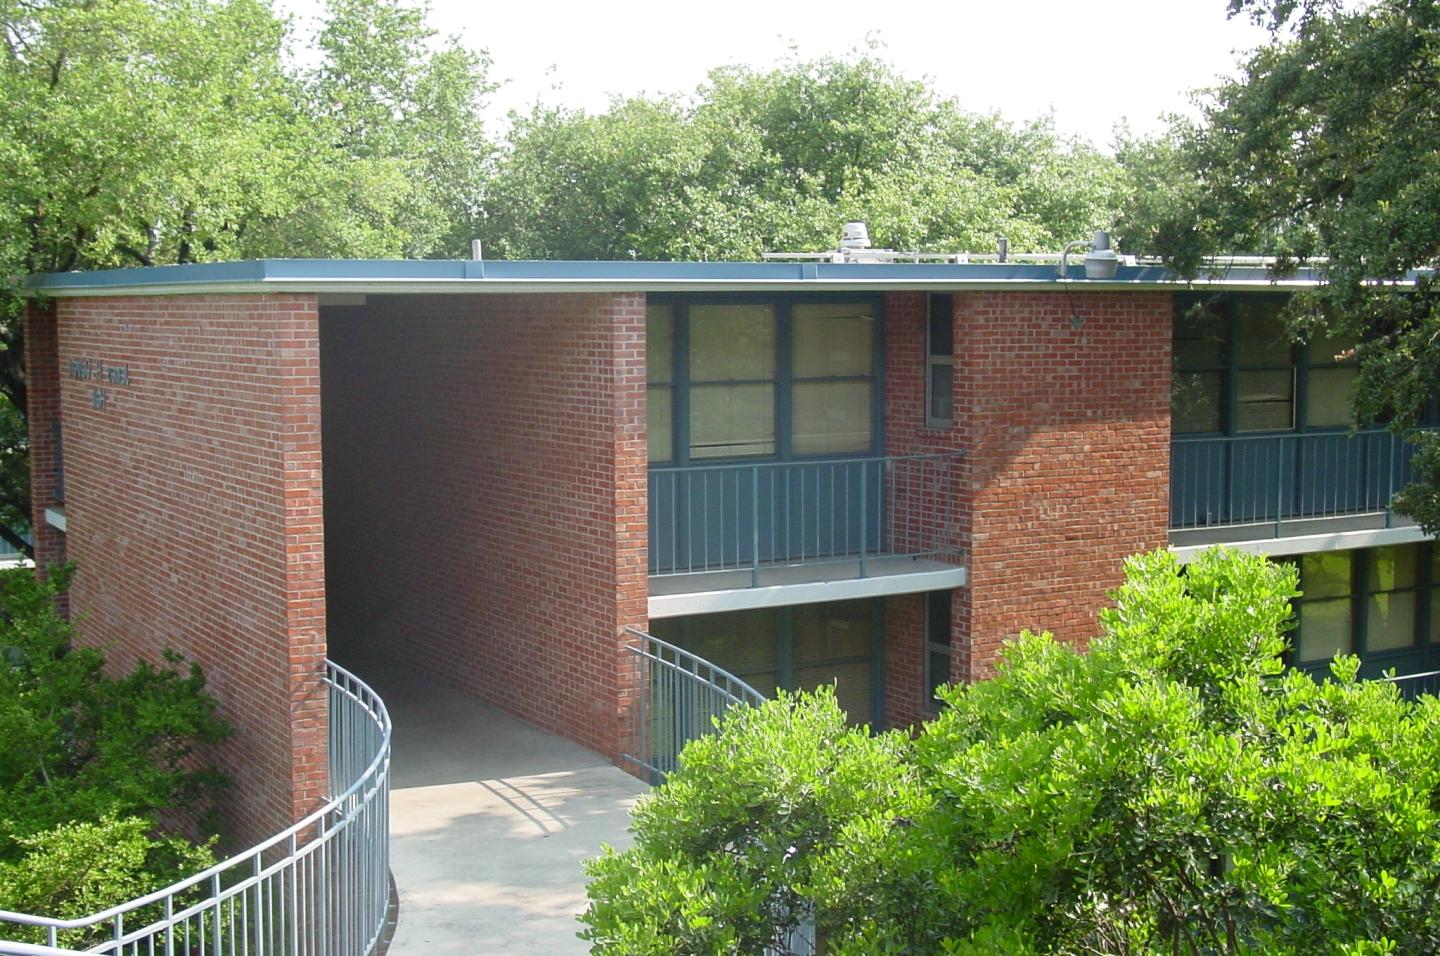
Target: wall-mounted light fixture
{"x": 1100, "y": 262}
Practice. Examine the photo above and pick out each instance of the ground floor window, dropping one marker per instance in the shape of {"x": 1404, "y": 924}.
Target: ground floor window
{"x": 794, "y": 648}
{"x": 937, "y": 646}
{"x": 1381, "y": 604}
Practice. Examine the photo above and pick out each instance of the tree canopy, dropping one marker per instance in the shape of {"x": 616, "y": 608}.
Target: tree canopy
{"x": 1325, "y": 151}
{"x": 1174, "y": 790}
{"x": 760, "y": 161}
{"x": 147, "y": 132}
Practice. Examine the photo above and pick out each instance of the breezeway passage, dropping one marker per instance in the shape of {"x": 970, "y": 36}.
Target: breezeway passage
{"x": 490, "y": 820}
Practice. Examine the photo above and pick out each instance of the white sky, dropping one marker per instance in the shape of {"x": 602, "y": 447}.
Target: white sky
{"x": 1093, "y": 63}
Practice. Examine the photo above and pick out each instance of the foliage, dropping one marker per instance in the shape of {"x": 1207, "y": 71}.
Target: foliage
{"x": 1175, "y": 789}
{"x": 82, "y": 746}
{"x": 1324, "y": 151}
{"x": 773, "y": 160}
{"x": 148, "y": 132}
{"x": 75, "y": 869}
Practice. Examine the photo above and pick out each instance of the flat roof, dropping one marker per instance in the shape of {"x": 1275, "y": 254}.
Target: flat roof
{"x": 379, "y": 276}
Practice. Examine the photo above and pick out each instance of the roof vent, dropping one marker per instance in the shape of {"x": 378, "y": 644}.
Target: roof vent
{"x": 855, "y": 235}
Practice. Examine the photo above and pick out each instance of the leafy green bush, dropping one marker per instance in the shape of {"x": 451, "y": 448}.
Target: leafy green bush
{"x": 1175, "y": 789}
{"x": 90, "y": 764}
{"x": 76, "y": 869}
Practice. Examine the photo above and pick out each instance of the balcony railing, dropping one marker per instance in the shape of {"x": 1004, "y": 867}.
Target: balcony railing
{"x": 1275, "y": 480}
{"x": 319, "y": 887}
{"x": 747, "y": 517}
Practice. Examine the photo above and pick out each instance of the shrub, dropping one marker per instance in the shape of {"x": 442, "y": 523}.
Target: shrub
{"x": 1175, "y": 789}
{"x": 90, "y": 764}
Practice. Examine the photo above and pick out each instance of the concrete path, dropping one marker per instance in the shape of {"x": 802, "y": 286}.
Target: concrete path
{"x": 489, "y": 820}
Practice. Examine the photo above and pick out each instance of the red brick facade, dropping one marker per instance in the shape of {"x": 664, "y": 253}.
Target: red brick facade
{"x": 42, "y": 380}
{"x": 487, "y": 517}
{"x": 191, "y": 442}
{"x": 1065, "y": 428}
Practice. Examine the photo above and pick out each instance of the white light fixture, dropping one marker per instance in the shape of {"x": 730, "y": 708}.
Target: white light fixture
{"x": 1100, "y": 262}
{"x": 855, "y": 235}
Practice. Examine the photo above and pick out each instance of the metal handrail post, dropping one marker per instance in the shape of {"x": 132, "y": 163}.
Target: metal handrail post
{"x": 864, "y": 515}
{"x": 754, "y": 527}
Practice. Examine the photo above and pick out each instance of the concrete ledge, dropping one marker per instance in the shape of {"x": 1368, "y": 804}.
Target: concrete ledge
{"x": 934, "y": 577}
{"x": 1306, "y": 544}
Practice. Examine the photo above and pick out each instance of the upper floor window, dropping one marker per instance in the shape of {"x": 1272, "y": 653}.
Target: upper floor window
{"x": 732, "y": 380}
{"x": 939, "y": 360}
{"x": 757, "y": 378}
{"x": 1237, "y": 371}
{"x": 660, "y": 380}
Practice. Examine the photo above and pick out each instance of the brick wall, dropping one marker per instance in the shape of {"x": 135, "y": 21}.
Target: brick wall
{"x": 193, "y": 501}
{"x": 485, "y": 487}
{"x": 42, "y": 381}
{"x": 904, "y": 660}
{"x": 1066, "y": 434}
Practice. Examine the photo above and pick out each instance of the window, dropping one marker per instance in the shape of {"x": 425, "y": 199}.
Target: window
{"x": 1392, "y": 585}
{"x": 1330, "y": 378}
{"x": 794, "y": 648}
{"x": 732, "y": 381}
{"x": 1197, "y": 385}
{"x": 1325, "y": 624}
{"x": 752, "y": 378}
{"x": 1373, "y": 602}
{"x": 939, "y": 361}
{"x": 1435, "y": 594}
{"x": 937, "y": 645}
{"x": 660, "y": 381}
{"x": 1265, "y": 369}
{"x": 1236, "y": 370}
{"x": 833, "y": 383}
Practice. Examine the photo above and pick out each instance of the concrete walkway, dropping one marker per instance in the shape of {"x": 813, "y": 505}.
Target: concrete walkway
{"x": 489, "y": 820}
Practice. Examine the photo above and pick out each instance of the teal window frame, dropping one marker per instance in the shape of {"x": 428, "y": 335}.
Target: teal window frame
{"x": 939, "y": 359}
{"x": 785, "y": 380}
{"x": 1234, "y": 365}
{"x": 677, "y": 630}
{"x": 1422, "y": 653}
{"x": 938, "y": 618}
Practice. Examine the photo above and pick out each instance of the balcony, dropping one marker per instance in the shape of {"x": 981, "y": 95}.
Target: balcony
{"x": 1257, "y": 487}
{"x": 767, "y": 533}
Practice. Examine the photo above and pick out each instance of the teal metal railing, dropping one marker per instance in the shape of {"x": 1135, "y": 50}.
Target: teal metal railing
{"x": 746, "y": 517}
{"x": 680, "y": 698}
{"x": 1413, "y": 685}
{"x": 1220, "y": 481}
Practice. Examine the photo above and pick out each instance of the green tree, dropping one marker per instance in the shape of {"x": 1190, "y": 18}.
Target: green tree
{"x": 1324, "y": 151}
{"x": 1175, "y": 789}
{"x": 147, "y": 132}
{"x": 771, "y": 160}
{"x": 91, "y": 765}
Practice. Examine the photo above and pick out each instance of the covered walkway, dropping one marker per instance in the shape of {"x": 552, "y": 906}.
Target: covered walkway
{"x": 490, "y": 820}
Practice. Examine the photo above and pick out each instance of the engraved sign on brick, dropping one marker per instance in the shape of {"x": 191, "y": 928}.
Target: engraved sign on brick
{"x": 103, "y": 375}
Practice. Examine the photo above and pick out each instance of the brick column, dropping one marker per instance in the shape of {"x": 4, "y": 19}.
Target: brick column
{"x": 1064, "y": 405}
{"x": 1065, "y": 432}
{"x": 193, "y": 500}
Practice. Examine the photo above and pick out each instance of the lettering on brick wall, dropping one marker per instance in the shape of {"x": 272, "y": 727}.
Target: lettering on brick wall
{"x": 103, "y": 376}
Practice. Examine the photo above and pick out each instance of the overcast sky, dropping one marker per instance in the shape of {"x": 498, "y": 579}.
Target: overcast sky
{"x": 1092, "y": 63}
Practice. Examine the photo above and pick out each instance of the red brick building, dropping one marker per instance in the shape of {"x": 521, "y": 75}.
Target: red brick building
{"x": 865, "y": 474}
